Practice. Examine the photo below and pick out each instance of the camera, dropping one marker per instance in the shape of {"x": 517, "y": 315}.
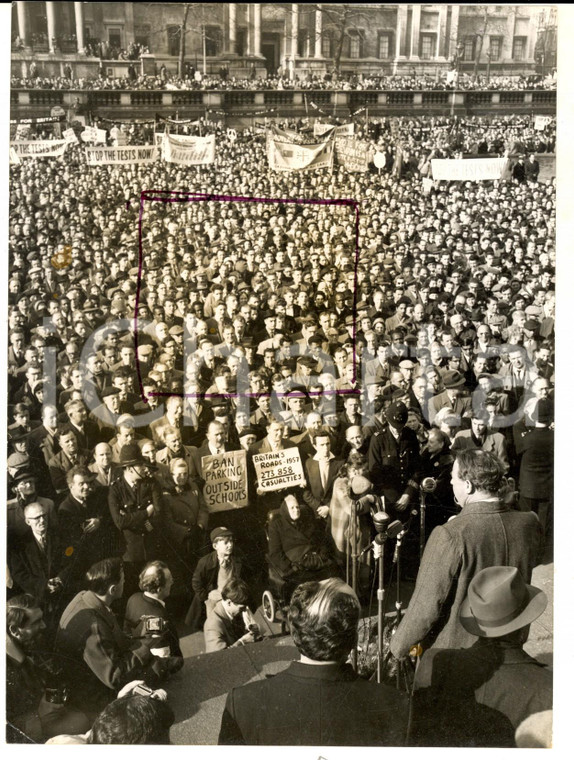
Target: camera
{"x": 154, "y": 625}
{"x": 56, "y": 696}
{"x": 141, "y": 690}
{"x": 254, "y": 629}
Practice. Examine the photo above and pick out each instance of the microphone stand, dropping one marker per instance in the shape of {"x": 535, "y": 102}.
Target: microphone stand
{"x": 422, "y": 525}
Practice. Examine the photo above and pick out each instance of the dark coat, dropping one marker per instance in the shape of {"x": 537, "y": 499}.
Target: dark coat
{"x": 393, "y": 464}
{"x": 31, "y": 568}
{"x": 142, "y": 534}
{"x": 535, "y": 447}
{"x": 315, "y": 495}
{"x": 205, "y": 580}
{"x": 140, "y": 606}
{"x": 495, "y": 673}
{"x": 326, "y": 705}
{"x": 290, "y": 540}
{"x": 483, "y": 535}
{"x": 97, "y": 655}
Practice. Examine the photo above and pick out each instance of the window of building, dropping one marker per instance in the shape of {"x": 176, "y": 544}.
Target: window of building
{"x": 327, "y": 45}
{"x": 115, "y": 36}
{"x": 142, "y": 35}
{"x": 213, "y": 40}
{"x": 355, "y": 44}
{"x": 385, "y": 47}
{"x": 468, "y": 52}
{"x": 495, "y": 48}
{"x": 427, "y": 47}
{"x": 173, "y": 35}
{"x": 303, "y": 43}
{"x": 519, "y": 48}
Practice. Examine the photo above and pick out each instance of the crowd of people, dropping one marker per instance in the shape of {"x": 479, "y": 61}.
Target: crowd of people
{"x": 402, "y": 350}
{"x": 194, "y": 79}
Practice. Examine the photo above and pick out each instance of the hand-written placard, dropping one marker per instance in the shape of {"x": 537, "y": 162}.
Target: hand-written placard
{"x": 279, "y": 469}
{"x": 225, "y": 481}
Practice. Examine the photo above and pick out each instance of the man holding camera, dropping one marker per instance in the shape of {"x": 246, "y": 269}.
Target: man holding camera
{"x": 226, "y": 623}
{"x": 100, "y": 658}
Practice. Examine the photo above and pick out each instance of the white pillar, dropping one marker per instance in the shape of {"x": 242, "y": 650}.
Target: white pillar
{"x": 415, "y": 31}
{"x": 79, "y": 11}
{"x": 453, "y": 40}
{"x": 51, "y": 17}
{"x": 257, "y": 28}
{"x": 401, "y": 38}
{"x": 441, "y": 31}
{"x": 22, "y": 22}
{"x": 294, "y": 31}
{"x": 318, "y": 31}
{"x": 232, "y": 27}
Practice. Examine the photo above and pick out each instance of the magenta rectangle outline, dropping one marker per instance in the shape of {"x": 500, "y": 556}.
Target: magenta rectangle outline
{"x": 174, "y": 196}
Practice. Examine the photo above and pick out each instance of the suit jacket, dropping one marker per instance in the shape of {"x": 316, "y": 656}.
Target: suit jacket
{"x": 326, "y": 705}
{"x": 494, "y": 442}
{"x": 495, "y": 673}
{"x": 462, "y": 405}
{"x": 393, "y": 464}
{"x": 98, "y": 656}
{"x": 483, "y": 535}
{"x": 31, "y": 568}
{"x": 128, "y": 511}
{"x": 59, "y": 466}
{"x": 220, "y": 631}
{"x": 316, "y": 495}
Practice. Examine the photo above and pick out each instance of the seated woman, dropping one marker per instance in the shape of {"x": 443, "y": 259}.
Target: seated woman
{"x": 299, "y": 548}
{"x": 352, "y": 538}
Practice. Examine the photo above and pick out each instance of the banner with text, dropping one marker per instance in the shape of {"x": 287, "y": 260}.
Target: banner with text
{"x": 288, "y": 157}
{"x": 187, "y": 150}
{"x": 344, "y": 130}
{"x": 129, "y": 154}
{"x": 279, "y": 469}
{"x": 541, "y": 122}
{"x": 470, "y": 169}
{"x": 39, "y": 148}
{"x": 353, "y": 154}
{"x": 225, "y": 478}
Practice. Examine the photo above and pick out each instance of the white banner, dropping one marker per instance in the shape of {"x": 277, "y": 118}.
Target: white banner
{"x": 225, "y": 478}
{"x": 39, "y": 148}
{"x": 129, "y": 154}
{"x": 279, "y": 469}
{"x": 14, "y": 157}
{"x": 90, "y": 134}
{"x": 541, "y": 122}
{"x": 345, "y": 130}
{"x": 187, "y": 150}
{"x": 470, "y": 169}
{"x": 101, "y": 135}
{"x": 353, "y": 154}
{"x": 288, "y": 157}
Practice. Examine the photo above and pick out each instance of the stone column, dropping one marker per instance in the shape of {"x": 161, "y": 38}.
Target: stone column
{"x": 233, "y": 28}
{"x": 51, "y": 17}
{"x": 452, "y": 42}
{"x": 318, "y": 31}
{"x": 415, "y": 31}
{"x": 441, "y": 42}
{"x": 22, "y": 23}
{"x": 79, "y": 12}
{"x": 401, "y": 33}
{"x": 257, "y": 29}
{"x": 294, "y": 31}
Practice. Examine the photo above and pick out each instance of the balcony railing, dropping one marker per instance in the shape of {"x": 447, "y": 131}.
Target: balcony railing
{"x": 146, "y": 98}
{"x": 434, "y": 97}
{"x": 104, "y": 98}
{"x": 46, "y": 97}
{"x": 278, "y": 97}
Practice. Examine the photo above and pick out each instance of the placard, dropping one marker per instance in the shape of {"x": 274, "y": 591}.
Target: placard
{"x": 279, "y": 469}
{"x": 225, "y": 478}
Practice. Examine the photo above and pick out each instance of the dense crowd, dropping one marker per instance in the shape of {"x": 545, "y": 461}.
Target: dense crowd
{"x": 194, "y": 79}
{"x": 382, "y": 347}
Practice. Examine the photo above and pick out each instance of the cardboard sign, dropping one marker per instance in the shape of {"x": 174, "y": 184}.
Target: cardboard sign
{"x": 225, "y": 478}
{"x": 279, "y": 469}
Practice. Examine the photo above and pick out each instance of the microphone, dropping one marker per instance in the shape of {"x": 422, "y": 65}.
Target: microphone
{"x": 428, "y": 485}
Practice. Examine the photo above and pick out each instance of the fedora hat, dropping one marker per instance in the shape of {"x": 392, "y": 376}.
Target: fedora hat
{"x": 131, "y": 456}
{"x": 498, "y": 601}
{"x": 453, "y": 379}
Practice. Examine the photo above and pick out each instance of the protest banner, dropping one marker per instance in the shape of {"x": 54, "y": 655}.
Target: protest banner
{"x": 14, "y": 157}
{"x": 39, "y": 148}
{"x": 541, "y": 122}
{"x": 352, "y": 154}
{"x": 90, "y": 134}
{"x": 225, "y": 478}
{"x": 279, "y": 469}
{"x": 69, "y": 135}
{"x": 188, "y": 150}
{"x": 469, "y": 169}
{"x": 344, "y": 130}
{"x": 101, "y": 135}
{"x": 22, "y": 131}
{"x": 288, "y": 157}
{"x": 129, "y": 154}
{"x": 547, "y": 163}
